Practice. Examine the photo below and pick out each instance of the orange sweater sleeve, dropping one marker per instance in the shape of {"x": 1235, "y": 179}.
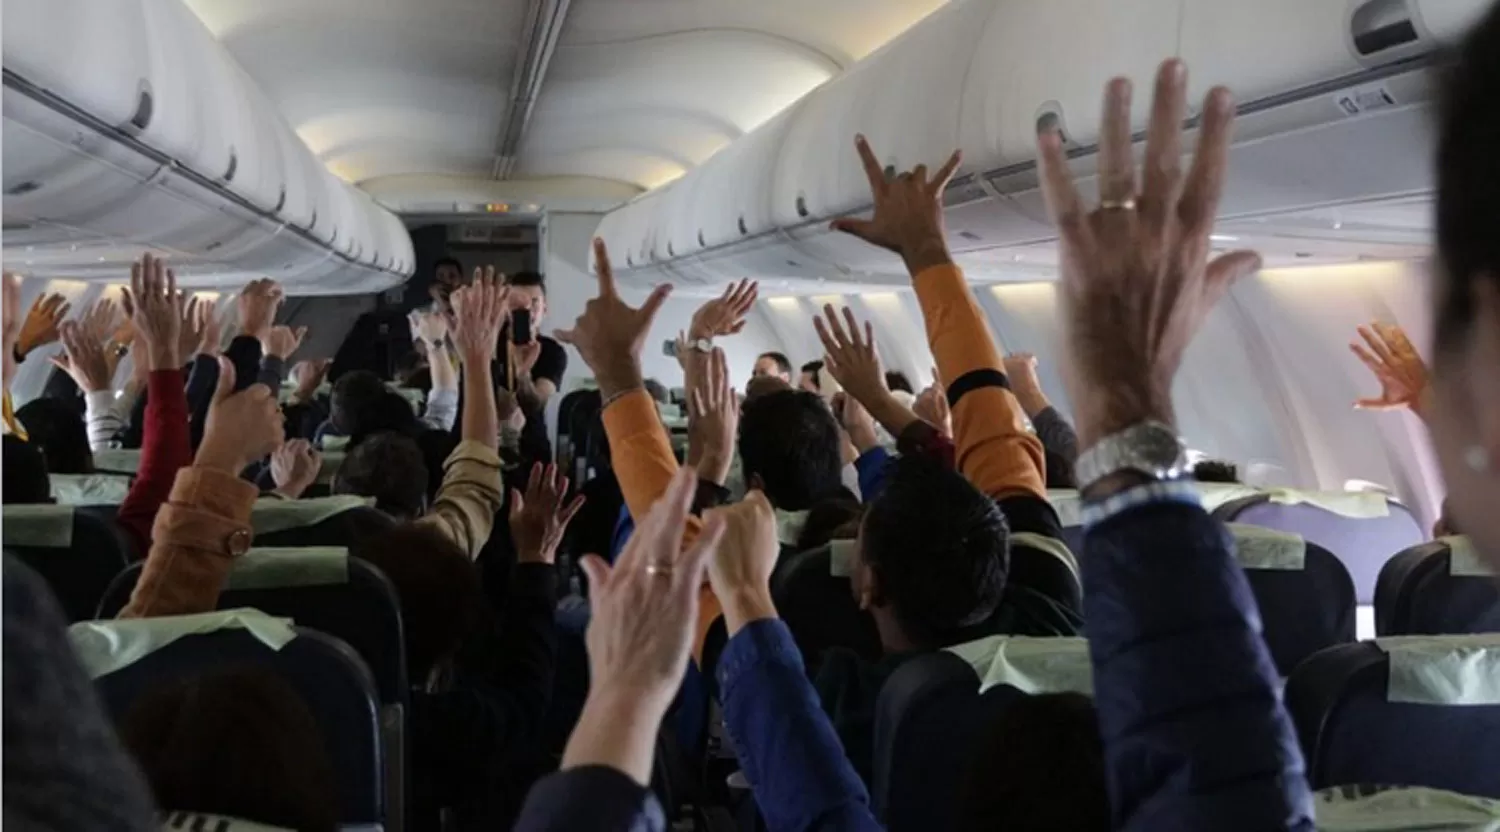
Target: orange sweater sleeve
{"x": 994, "y": 449}
{"x": 641, "y": 454}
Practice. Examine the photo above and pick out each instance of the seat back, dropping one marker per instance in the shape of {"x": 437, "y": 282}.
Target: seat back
{"x": 117, "y": 461}
{"x": 1359, "y": 528}
{"x": 128, "y": 657}
{"x": 77, "y": 550}
{"x": 1414, "y": 711}
{"x": 1305, "y": 594}
{"x": 814, "y": 599}
{"x": 90, "y": 489}
{"x": 1437, "y": 588}
{"x": 1047, "y": 565}
{"x": 928, "y": 721}
{"x": 323, "y": 521}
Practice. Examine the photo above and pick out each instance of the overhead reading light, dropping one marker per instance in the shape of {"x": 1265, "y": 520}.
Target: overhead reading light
{"x": 1223, "y": 238}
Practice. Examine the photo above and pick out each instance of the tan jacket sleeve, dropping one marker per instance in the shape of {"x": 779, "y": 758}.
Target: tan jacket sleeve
{"x": 189, "y": 559}
{"x": 994, "y": 449}
{"x": 641, "y": 453}
{"x": 471, "y": 495}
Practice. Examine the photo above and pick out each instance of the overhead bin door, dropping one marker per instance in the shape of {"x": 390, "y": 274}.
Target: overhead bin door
{"x": 105, "y": 64}
{"x": 187, "y": 122}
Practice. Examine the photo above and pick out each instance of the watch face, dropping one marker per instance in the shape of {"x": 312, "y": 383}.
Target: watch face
{"x": 1161, "y": 448}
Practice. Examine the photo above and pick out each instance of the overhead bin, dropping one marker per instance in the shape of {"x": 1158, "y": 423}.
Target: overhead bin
{"x": 1334, "y": 102}
{"x": 128, "y": 126}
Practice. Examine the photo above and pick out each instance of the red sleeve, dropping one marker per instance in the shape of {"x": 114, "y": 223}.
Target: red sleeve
{"x": 165, "y": 449}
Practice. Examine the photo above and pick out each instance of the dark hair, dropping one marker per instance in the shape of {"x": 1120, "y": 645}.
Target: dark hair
{"x": 826, "y": 519}
{"x": 790, "y": 441}
{"x": 57, "y": 428}
{"x": 527, "y": 278}
{"x": 940, "y": 547}
{"x": 895, "y": 380}
{"x": 1216, "y": 470}
{"x": 24, "y": 477}
{"x": 1468, "y": 172}
{"x": 1040, "y": 765}
{"x": 237, "y": 741}
{"x": 437, "y": 586}
{"x": 389, "y": 467}
{"x": 448, "y": 261}
{"x": 1060, "y": 471}
{"x": 388, "y": 412}
{"x": 759, "y": 386}
{"x": 349, "y": 392}
{"x": 783, "y": 363}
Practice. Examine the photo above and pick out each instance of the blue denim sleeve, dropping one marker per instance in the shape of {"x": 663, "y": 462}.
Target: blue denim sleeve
{"x": 787, "y": 747}
{"x": 590, "y": 798}
{"x": 872, "y": 466}
{"x": 1190, "y": 710}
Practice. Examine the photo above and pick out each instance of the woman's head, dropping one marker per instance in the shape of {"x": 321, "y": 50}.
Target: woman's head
{"x": 238, "y": 742}
{"x": 1465, "y": 409}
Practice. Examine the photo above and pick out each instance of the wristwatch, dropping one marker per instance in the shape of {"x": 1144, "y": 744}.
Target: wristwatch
{"x": 703, "y": 345}
{"x": 1152, "y": 449}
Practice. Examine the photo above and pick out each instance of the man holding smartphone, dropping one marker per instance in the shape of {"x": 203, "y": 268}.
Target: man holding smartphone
{"x": 535, "y": 363}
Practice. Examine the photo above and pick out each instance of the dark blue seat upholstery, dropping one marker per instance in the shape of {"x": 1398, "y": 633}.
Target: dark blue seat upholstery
{"x": 1432, "y": 589}
{"x": 1302, "y": 609}
{"x": 79, "y": 571}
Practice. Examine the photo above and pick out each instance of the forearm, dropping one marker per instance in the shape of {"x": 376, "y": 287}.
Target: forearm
{"x": 442, "y": 409}
{"x": 616, "y": 729}
{"x": 165, "y": 449}
{"x": 994, "y": 450}
{"x": 1056, "y": 433}
{"x": 481, "y": 422}
{"x": 102, "y": 422}
{"x": 188, "y": 564}
{"x": 244, "y": 352}
{"x": 1166, "y": 601}
{"x": 890, "y": 413}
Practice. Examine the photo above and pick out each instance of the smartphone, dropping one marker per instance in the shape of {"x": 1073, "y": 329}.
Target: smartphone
{"x": 669, "y": 348}
{"x": 520, "y": 326}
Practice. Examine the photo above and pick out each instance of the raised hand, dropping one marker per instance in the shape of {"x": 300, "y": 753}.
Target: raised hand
{"x": 858, "y": 424}
{"x": 740, "y": 570}
{"x": 646, "y": 606}
{"x": 480, "y": 311}
{"x": 40, "y": 327}
{"x": 851, "y": 359}
{"x": 190, "y": 331}
{"x": 282, "y": 341}
{"x": 932, "y": 406}
{"x": 10, "y": 311}
{"x": 610, "y": 333}
{"x": 1136, "y": 282}
{"x": 99, "y": 321}
{"x": 211, "y": 331}
{"x": 725, "y": 314}
{"x": 431, "y": 328}
{"x": 713, "y": 419}
{"x": 908, "y": 217}
{"x": 241, "y": 427}
{"x": 1394, "y": 361}
{"x": 294, "y": 467}
{"x": 83, "y": 358}
{"x": 538, "y": 518}
{"x": 309, "y": 375}
{"x": 259, "y": 301}
{"x": 1020, "y": 368}
{"x": 156, "y": 309}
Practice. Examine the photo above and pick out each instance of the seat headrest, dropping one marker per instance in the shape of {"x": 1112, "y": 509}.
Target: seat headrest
{"x": 117, "y": 460}
{"x": 1069, "y": 505}
{"x": 90, "y": 489}
{"x": 200, "y": 822}
{"x": 104, "y": 647}
{"x": 333, "y": 443}
{"x": 45, "y": 526}
{"x": 1464, "y": 560}
{"x": 270, "y": 515}
{"x": 1365, "y": 808}
{"x": 1358, "y": 505}
{"x": 1443, "y": 670}
{"x": 267, "y": 567}
{"x": 1031, "y": 665}
{"x": 1269, "y": 549}
{"x": 1049, "y": 545}
{"x": 414, "y": 396}
{"x": 331, "y": 462}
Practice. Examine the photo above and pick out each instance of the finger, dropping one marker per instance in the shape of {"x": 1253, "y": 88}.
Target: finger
{"x": 598, "y": 574}
{"x": 566, "y": 516}
{"x": 823, "y": 335}
{"x": 127, "y": 300}
{"x": 654, "y": 302}
{"x": 566, "y": 336}
{"x": 1116, "y": 153}
{"x": 517, "y": 503}
{"x": 226, "y": 379}
{"x": 1163, "y": 176}
{"x": 693, "y": 562}
{"x": 1205, "y": 182}
{"x": 854, "y": 338}
{"x": 1226, "y": 270}
{"x": 301, "y": 333}
{"x": 873, "y": 171}
{"x": 675, "y": 505}
{"x": 695, "y": 401}
{"x": 863, "y": 229}
{"x": 63, "y": 312}
{"x": 835, "y": 328}
{"x": 1375, "y": 404}
{"x": 1369, "y": 360}
{"x": 919, "y": 174}
{"x": 1377, "y": 346}
{"x": 171, "y": 286}
{"x": 603, "y": 270}
{"x": 61, "y": 363}
{"x": 945, "y": 173}
{"x": 1060, "y": 193}
{"x": 534, "y": 479}
{"x": 870, "y": 335}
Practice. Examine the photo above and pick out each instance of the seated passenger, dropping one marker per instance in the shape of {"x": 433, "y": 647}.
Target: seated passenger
{"x": 57, "y": 428}
{"x": 237, "y": 742}
{"x": 773, "y": 365}
{"x": 789, "y": 448}
{"x": 350, "y": 392}
{"x": 811, "y": 379}
{"x": 24, "y": 470}
{"x": 390, "y": 467}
